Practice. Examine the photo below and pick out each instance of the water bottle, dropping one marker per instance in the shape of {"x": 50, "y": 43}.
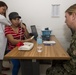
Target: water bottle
{"x": 39, "y": 43}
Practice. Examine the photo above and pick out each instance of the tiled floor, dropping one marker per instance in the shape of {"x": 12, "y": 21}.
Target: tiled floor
{"x": 7, "y": 64}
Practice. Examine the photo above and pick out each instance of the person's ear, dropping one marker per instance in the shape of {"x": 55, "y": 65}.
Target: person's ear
{"x": 74, "y": 16}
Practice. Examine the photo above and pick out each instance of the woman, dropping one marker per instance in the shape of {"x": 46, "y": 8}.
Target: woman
{"x": 67, "y": 67}
{"x": 15, "y": 34}
{"x": 3, "y": 40}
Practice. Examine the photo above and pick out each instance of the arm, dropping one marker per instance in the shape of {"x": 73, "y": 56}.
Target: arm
{"x": 26, "y": 31}
{"x": 4, "y": 20}
{"x": 15, "y": 41}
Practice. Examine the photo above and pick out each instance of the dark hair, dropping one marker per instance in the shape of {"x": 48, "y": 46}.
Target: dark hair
{"x": 24, "y": 24}
{"x": 2, "y": 4}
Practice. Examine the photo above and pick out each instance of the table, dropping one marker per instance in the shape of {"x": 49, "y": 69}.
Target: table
{"x": 53, "y": 52}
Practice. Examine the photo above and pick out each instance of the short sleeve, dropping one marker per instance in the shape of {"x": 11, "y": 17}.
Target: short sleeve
{"x": 7, "y": 30}
{"x": 4, "y": 20}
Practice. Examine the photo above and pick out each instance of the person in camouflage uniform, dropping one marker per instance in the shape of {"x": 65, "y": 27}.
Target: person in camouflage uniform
{"x": 67, "y": 67}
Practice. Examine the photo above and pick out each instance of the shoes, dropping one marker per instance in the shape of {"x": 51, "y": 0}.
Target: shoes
{"x": 3, "y": 74}
{"x": 5, "y": 69}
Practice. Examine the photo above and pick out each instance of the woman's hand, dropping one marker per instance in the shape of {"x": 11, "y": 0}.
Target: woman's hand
{"x": 23, "y": 26}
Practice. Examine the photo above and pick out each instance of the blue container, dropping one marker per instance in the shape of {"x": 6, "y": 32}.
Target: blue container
{"x": 46, "y": 32}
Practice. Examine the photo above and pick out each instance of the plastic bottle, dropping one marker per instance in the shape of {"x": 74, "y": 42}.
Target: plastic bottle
{"x": 39, "y": 43}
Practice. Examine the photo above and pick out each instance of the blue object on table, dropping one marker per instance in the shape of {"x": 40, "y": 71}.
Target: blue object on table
{"x": 46, "y": 33}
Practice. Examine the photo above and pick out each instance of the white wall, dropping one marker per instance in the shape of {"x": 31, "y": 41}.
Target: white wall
{"x": 38, "y": 12}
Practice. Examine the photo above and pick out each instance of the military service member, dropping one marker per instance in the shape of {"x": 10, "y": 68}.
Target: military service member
{"x": 67, "y": 67}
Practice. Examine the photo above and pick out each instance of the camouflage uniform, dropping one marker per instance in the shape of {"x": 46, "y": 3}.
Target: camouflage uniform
{"x": 65, "y": 67}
